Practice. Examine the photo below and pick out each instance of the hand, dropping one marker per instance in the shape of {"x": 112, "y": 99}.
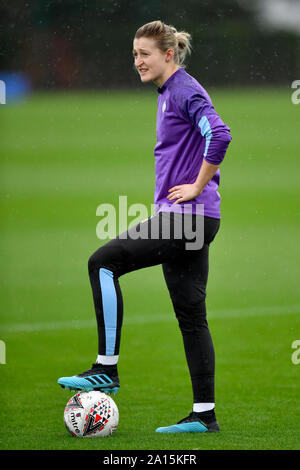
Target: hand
{"x": 183, "y": 192}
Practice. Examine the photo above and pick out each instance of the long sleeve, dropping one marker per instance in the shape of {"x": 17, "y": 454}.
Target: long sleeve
{"x": 188, "y": 131}
{"x": 199, "y": 111}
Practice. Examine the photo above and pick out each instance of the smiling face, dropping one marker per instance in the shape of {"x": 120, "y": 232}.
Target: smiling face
{"x": 151, "y": 63}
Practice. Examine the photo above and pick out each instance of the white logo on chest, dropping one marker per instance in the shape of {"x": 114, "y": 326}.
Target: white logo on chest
{"x": 164, "y": 106}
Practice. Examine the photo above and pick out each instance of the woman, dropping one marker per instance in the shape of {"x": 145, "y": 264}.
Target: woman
{"x": 191, "y": 144}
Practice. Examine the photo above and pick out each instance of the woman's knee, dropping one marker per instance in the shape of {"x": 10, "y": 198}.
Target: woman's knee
{"x": 95, "y": 260}
{"x": 190, "y": 310}
{"x": 107, "y": 256}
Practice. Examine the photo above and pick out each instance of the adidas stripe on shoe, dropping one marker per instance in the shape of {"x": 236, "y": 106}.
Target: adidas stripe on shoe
{"x": 99, "y": 377}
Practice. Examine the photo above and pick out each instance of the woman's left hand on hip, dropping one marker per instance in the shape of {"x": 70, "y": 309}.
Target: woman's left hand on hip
{"x": 183, "y": 192}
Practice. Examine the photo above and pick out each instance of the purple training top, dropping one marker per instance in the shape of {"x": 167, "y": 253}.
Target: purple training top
{"x": 188, "y": 129}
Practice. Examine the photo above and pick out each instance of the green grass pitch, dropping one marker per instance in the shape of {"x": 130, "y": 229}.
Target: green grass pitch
{"x": 62, "y": 155}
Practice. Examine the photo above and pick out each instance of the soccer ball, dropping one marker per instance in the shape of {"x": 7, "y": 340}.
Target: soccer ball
{"x": 91, "y": 414}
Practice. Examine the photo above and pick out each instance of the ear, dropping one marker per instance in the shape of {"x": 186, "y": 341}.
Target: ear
{"x": 170, "y": 55}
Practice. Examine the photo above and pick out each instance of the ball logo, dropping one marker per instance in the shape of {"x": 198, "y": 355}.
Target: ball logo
{"x": 74, "y": 402}
{"x": 164, "y": 106}
{"x": 74, "y": 422}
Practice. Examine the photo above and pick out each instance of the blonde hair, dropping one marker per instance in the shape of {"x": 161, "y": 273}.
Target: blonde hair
{"x": 167, "y": 37}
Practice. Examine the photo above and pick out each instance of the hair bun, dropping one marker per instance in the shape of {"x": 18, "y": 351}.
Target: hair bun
{"x": 166, "y": 37}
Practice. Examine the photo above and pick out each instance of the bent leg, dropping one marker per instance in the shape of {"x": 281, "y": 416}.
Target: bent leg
{"x": 112, "y": 260}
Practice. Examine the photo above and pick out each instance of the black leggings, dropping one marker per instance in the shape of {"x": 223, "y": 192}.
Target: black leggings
{"x": 185, "y": 271}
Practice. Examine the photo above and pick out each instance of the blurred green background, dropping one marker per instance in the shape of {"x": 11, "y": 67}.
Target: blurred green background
{"x": 64, "y": 151}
